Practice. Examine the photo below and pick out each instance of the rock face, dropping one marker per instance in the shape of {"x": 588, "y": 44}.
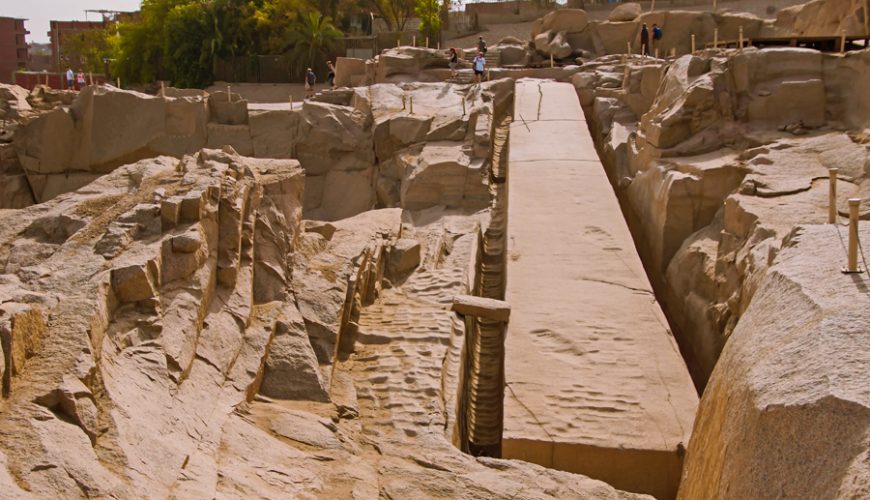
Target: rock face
{"x": 349, "y": 147}
{"x": 230, "y": 348}
{"x": 823, "y": 17}
{"x": 815, "y": 18}
{"x": 13, "y": 101}
{"x": 791, "y": 382}
{"x": 723, "y": 177}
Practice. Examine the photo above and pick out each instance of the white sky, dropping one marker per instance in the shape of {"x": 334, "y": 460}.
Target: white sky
{"x": 40, "y": 12}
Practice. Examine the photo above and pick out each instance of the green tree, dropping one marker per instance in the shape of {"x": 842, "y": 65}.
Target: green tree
{"x": 429, "y": 12}
{"x": 88, "y": 48}
{"x": 190, "y": 44}
{"x": 311, "y": 40}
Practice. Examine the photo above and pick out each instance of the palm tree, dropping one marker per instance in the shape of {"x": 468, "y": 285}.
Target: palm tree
{"x": 312, "y": 37}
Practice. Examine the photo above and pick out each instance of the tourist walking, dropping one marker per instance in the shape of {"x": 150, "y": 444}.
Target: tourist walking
{"x": 70, "y": 83}
{"x": 481, "y": 45}
{"x": 330, "y": 77}
{"x": 644, "y": 39}
{"x": 454, "y": 62}
{"x": 310, "y": 80}
{"x": 80, "y": 79}
{"x": 479, "y": 66}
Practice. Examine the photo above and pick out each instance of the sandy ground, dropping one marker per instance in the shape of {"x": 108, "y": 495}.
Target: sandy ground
{"x": 267, "y": 92}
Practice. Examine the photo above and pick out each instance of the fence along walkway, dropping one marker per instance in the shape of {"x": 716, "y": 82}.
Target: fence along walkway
{"x": 594, "y": 381}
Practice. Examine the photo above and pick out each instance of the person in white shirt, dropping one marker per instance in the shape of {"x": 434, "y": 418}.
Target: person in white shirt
{"x": 80, "y": 80}
{"x": 70, "y": 76}
{"x": 479, "y": 66}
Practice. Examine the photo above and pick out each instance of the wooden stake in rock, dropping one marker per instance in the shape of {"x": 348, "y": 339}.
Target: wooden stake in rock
{"x": 229, "y": 94}
{"x": 842, "y": 41}
{"x": 291, "y": 102}
{"x": 414, "y": 40}
{"x": 693, "y": 43}
{"x": 90, "y": 78}
{"x": 832, "y": 195}
{"x": 427, "y": 42}
{"x": 552, "y": 62}
{"x": 119, "y": 82}
{"x": 715, "y": 5}
{"x": 673, "y": 52}
{"x": 463, "y": 105}
{"x": 652, "y": 5}
{"x": 852, "y": 265}
{"x": 162, "y": 89}
{"x": 411, "y": 105}
{"x": 628, "y": 48}
{"x": 626, "y": 73}
{"x": 740, "y": 39}
{"x": 657, "y": 52}
{"x": 716, "y": 38}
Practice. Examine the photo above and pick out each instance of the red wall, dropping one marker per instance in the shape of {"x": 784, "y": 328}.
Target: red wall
{"x": 55, "y": 80}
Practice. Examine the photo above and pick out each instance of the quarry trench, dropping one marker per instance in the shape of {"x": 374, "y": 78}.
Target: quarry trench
{"x": 350, "y": 293}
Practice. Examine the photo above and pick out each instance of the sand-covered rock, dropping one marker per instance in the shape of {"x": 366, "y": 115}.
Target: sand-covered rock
{"x": 625, "y": 12}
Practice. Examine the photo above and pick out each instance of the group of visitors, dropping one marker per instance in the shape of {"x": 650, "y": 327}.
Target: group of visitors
{"x": 75, "y": 81}
{"x": 478, "y": 64}
{"x": 311, "y": 79}
{"x": 647, "y": 43}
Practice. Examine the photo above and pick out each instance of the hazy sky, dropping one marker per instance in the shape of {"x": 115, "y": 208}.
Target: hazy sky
{"x": 40, "y": 12}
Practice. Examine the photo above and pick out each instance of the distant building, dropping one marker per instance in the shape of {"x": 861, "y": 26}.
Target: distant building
{"x": 60, "y": 35}
{"x": 13, "y": 48}
{"x": 62, "y": 31}
{"x": 39, "y": 57}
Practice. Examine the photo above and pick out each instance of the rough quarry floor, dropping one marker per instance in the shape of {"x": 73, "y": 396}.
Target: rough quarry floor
{"x": 595, "y": 381}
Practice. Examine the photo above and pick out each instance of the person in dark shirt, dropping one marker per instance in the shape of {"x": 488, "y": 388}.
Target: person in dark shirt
{"x": 454, "y": 62}
{"x": 330, "y": 77}
{"x": 644, "y": 39}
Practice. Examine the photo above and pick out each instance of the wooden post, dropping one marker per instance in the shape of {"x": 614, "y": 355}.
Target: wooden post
{"x": 693, "y": 43}
{"x": 852, "y": 265}
{"x": 643, "y": 52}
{"x": 119, "y": 82}
{"x": 652, "y": 5}
{"x": 657, "y": 52}
{"x": 229, "y": 94}
{"x": 90, "y": 78}
{"x": 628, "y": 48}
{"x": 716, "y": 38}
{"x": 463, "y": 105}
{"x": 414, "y": 40}
{"x": 427, "y": 42}
{"x": 162, "y": 89}
{"x": 439, "y": 45}
{"x": 740, "y": 39}
{"x": 715, "y": 5}
{"x": 291, "y": 102}
{"x": 626, "y": 74}
{"x": 832, "y": 195}
{"x": 673, "y": 52}
{"x": 552, "y": 62}
{"x": 411, "y": 105}
{"x": 842, "y": 41}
